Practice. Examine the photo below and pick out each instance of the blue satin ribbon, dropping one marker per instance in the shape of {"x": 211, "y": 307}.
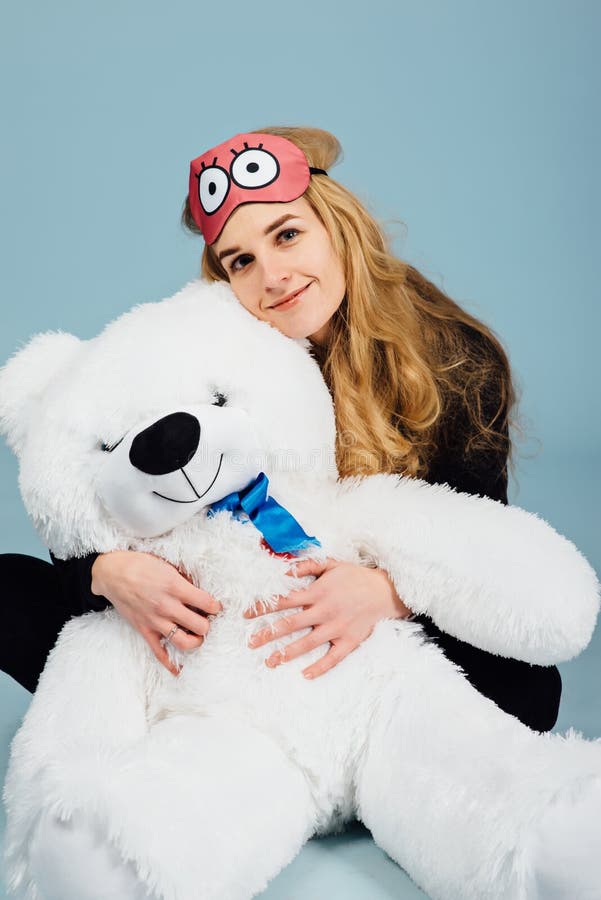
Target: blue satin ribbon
{"x": 279, "y": 528}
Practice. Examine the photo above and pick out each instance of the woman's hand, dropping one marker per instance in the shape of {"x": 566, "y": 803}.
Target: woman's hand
{"x": 153, "y": 596}
{"x": 342, "y": 606}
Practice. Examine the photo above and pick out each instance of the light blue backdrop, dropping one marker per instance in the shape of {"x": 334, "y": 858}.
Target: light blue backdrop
{"x": 471, "y": 126}
{"x": 475, "y": 123}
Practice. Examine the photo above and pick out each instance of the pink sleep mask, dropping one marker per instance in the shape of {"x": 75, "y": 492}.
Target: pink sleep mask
{"x": 249, "y": 168}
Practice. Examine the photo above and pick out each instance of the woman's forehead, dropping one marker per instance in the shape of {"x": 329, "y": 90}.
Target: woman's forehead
{"x": 252, "y": 220}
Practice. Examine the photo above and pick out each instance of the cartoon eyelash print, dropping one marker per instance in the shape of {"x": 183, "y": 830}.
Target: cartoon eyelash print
{"x": 254, "y": 167}
{"x": 213, "y": 186}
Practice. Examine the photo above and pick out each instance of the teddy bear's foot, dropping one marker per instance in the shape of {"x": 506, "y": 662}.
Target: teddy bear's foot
{"x": 74, "y": 861}
{"x": 563, "y": 853}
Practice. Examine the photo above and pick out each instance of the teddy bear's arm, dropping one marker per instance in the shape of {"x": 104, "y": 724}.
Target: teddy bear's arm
{"x": 495, "y": 576}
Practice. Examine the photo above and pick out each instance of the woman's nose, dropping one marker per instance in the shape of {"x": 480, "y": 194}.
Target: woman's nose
{"x": 276, "y": 272}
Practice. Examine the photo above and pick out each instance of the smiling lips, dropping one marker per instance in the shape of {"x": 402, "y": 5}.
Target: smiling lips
{"x": 290, "y": 299}
{"x": 197, "y": 496}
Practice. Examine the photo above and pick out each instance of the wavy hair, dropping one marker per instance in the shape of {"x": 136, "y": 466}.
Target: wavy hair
{"x": 402, "y": 358}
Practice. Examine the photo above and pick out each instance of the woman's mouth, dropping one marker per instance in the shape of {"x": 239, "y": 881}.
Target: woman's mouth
{"x": 291, "y": 300}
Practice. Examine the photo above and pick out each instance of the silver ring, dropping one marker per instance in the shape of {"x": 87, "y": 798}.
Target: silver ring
{"x": 171, "y": 633}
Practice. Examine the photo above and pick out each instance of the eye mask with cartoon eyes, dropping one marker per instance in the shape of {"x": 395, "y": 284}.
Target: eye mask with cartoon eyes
{"x": 249, "y": 168}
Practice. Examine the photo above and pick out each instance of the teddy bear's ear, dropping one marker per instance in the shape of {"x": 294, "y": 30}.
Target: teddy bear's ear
{"x": 25, "y": 377}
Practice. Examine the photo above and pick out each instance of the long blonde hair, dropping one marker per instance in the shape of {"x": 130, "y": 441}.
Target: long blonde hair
{"x": 401, "y": 355}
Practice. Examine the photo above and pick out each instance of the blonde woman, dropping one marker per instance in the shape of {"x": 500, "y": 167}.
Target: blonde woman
{"x": 420, "y": 386}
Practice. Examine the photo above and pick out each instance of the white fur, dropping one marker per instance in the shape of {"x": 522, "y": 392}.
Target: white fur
{"x": 503, "y": 579}
{"x": 208, "y": 784}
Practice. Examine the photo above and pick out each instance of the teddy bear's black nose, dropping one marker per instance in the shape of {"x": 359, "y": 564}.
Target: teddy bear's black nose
{"x": 166, "y": 445}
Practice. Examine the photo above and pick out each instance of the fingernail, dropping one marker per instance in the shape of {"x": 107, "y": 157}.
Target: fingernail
{"x": 274, "y": 660}
{"x": 308, "y": 674}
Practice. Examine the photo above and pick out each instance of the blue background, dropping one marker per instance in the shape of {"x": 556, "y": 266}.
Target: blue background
{"x": 471, "y": 127}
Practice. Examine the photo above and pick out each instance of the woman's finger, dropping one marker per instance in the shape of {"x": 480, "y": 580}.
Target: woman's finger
{"x": 318, "y": 636}
{"x": 311, "y": 567}
{"x": 294, "y": 599}
{"x": 188, "y": 619}
{"x": 335, "y": 654}
{"x": 285, "y": 625}
{"x": 184, "y": 641}
{"x": 195, "y": 597}
{"x": 180, "y": 638}
{"x": 153, "y": 639}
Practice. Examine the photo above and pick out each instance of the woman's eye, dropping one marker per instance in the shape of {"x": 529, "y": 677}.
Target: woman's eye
{"x": 288, "y": 234}
{"x": 240, "y": 262}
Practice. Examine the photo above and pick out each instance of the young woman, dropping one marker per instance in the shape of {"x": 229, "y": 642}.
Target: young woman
{"x": 420, "y": 388}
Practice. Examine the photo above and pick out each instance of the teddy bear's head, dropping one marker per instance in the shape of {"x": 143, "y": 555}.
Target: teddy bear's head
{"x": 172, "y": 407}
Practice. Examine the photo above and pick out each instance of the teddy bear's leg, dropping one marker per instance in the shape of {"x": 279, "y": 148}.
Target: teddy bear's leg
{"x": 469, "y": 801}
{"x": 557, "y": 867}
{"x": 61, "y": 755}
{"x": 72, "y": 860}
{"x": 205, "y": 808}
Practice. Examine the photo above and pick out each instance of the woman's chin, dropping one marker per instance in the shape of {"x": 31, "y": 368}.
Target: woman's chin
{"x": 298, "y": 327}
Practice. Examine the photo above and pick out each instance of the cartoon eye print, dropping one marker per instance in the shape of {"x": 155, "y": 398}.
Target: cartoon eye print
{"x": 213, "y": 187}
{"x": 254, "y": 167}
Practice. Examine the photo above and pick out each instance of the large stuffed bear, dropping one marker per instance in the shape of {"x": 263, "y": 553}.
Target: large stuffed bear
{"x": 127, "y": 782}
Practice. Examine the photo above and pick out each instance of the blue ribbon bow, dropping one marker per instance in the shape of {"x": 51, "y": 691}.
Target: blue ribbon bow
{"x": 279, "y": 527}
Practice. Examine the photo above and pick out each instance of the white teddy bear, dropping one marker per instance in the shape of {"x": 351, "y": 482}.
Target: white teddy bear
{"x": 125, "y": 782}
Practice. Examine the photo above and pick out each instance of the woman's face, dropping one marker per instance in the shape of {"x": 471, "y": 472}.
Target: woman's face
{"x": 282, "y": 266}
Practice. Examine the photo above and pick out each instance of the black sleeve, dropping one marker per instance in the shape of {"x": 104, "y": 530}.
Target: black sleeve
{"x": 75, "y": 577}
{"x": 469, "y": 466}
{"x": 481, "y": 471}
{"x": 531, "y": 693}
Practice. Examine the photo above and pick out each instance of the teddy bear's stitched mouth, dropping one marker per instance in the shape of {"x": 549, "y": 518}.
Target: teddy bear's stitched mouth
{"x": 198, "y": 496}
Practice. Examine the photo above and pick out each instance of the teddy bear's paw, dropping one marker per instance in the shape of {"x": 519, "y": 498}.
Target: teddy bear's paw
{"x": 564, "y": 848}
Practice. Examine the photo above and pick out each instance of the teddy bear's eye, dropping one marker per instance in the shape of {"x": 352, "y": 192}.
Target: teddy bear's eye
{"x": 108, "y": 448}
{"x": 219, "y": 399}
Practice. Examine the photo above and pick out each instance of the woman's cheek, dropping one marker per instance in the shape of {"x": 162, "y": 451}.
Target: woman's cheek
{"x": 247, "y": 297}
